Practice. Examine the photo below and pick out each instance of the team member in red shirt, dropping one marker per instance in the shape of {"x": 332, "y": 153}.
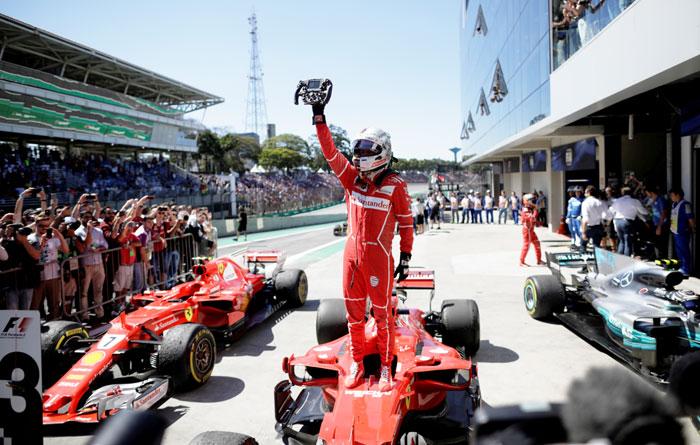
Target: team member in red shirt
{"x": 377, "y": 199}
{"x": 528, "y": 218}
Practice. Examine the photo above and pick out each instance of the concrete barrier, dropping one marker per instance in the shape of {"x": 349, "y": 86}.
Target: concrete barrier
{"x": 227, "y": 227}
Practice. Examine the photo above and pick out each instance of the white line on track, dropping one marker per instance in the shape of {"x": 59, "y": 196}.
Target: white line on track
{"x": 306, "y": 252}
{"x": 236, "y": 245}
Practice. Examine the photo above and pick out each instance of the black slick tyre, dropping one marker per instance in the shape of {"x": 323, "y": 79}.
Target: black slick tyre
{"x": 684, "y": 384}
{"x": 58, "y": 337}
{"x": 543, "y": 296}
{"x": 461, "y": 325}
{"x": 187, "y": 354}
{"x": 222, "y": 438}
{"x": 331, "y": 321}
{"x": 292, "y": 286}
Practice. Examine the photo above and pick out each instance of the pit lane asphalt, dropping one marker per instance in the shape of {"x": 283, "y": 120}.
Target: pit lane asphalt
{"x": 520, "y": 360}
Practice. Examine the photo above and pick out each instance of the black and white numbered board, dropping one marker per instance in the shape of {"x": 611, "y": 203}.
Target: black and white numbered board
{"x": 20, "y": 377}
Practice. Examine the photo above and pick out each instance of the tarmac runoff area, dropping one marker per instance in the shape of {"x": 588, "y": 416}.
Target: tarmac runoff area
{"x": 520, "y": 360}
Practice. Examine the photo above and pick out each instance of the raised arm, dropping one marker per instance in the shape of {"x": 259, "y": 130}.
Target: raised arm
{"x": 342, "y": 168}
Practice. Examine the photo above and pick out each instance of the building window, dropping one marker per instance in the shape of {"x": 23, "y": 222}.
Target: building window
{"x": 483, "y": 107}
{"x": 464, "y": 13}
{"x": 465, "y": 132}
{"x": 499, "y": 89}
{"x": 480, "y": 27}
{"x": 470, "y": 123}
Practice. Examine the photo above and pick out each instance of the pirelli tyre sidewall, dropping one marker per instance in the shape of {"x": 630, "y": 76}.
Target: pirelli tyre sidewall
{"x": 331, "y": 320}
{"x": 292, "y": 286}
{"x": 461, "y": 325}
{"x": 58, "y": 337}
{"x": 187, "y": 354}
{"x": 543, "y": 296}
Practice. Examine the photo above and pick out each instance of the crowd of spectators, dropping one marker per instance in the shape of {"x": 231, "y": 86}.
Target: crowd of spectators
{"x": 78, "y": 260}
{"x": 265, "y": 193}
{"x": 112, "y": 175}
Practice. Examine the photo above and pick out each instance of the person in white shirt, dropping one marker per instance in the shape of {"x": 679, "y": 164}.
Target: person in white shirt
{"x": 488, "y": 206}
{"x": 478, "y": 206}
{"x": 593, "y": 213}
{"x": 420, "y": 216}
{"x": 91, "y": 243}
{"x": 49, "y": 242}
{"x": 625, "y": 210}
{"x": 502, "y": 207}
{"x": 465, "y": 209}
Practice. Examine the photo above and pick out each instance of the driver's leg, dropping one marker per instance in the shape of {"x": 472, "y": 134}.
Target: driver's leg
{"x": 355, "y": 298}
{"x": 380, "y": 284}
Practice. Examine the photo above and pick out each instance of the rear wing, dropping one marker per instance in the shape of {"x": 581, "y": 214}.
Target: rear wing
{"x": 256, "y": 259}
{"x": 570, "y": 259}
{"x": 417, "y": 279}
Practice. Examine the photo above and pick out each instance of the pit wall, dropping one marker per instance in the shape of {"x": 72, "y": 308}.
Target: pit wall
{"x": 227, "y": 227}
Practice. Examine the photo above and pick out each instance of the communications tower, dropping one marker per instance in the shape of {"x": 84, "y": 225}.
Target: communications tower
{"x": 256, "y": 112}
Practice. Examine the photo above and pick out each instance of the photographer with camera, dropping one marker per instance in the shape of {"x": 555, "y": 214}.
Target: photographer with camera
{"x": 19, "y": 205}
{"x": 377, "y": 200}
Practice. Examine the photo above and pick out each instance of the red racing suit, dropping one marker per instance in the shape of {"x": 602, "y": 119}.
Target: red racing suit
{"x": 374, "y": 209}
{"x": 528, "y": 218}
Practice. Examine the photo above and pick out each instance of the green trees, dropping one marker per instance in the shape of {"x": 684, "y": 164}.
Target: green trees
{"x": 228, "y": 152}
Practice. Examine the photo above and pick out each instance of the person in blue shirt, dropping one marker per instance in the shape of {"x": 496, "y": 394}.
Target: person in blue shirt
{"x": 660, "y": 217}
{"x": 682, "y": 228}
{"x": 573, "y": 216}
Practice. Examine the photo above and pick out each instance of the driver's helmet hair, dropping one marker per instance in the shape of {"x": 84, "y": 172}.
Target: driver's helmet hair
{"x": 371, "y": 150}
{"x": 527, "y": 199}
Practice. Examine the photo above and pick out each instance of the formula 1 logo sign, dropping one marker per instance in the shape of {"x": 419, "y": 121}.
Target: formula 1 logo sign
{"x": 20, "y": 369}
{"x": 16, "y": 327}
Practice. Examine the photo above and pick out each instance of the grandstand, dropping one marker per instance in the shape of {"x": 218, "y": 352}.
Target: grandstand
{"x": 54, "y": 91}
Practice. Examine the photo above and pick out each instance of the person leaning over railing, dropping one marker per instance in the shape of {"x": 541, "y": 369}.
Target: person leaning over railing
{"x": 49, "y": 242}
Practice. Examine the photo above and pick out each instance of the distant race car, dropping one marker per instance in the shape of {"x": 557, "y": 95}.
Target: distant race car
{"x": 340, "y": 229}
{"x": 165, "y": 341}
{"x": 436, "y": 388}
{"x": 629, "y": 308}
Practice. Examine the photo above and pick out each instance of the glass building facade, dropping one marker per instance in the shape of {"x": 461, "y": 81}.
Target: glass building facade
{"x": 505, "y": 66}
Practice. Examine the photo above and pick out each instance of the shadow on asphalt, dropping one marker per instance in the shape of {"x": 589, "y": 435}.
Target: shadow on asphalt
{"x": 219, "y": 388}
{"x": 490, "y": 353}
{"x": 172, "y": 414}
{"x": 257, "y": 340}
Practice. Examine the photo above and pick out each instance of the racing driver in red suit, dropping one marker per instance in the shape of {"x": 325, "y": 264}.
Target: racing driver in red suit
{"x": 528, "y": 218}
{"x": 377, "y": 199}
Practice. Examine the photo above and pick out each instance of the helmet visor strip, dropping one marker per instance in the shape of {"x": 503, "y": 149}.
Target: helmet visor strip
{"x": 364, "y": 147}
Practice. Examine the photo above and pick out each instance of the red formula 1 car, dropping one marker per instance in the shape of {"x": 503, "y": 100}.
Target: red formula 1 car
{"x": 435, "y": 390}
{"x": 165, "y": 341}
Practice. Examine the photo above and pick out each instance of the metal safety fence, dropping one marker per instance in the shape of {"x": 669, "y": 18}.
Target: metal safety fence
{"x": 99, "y": 284}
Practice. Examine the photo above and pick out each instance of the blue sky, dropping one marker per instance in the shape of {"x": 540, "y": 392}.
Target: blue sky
{"x": 394, "y": 65}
